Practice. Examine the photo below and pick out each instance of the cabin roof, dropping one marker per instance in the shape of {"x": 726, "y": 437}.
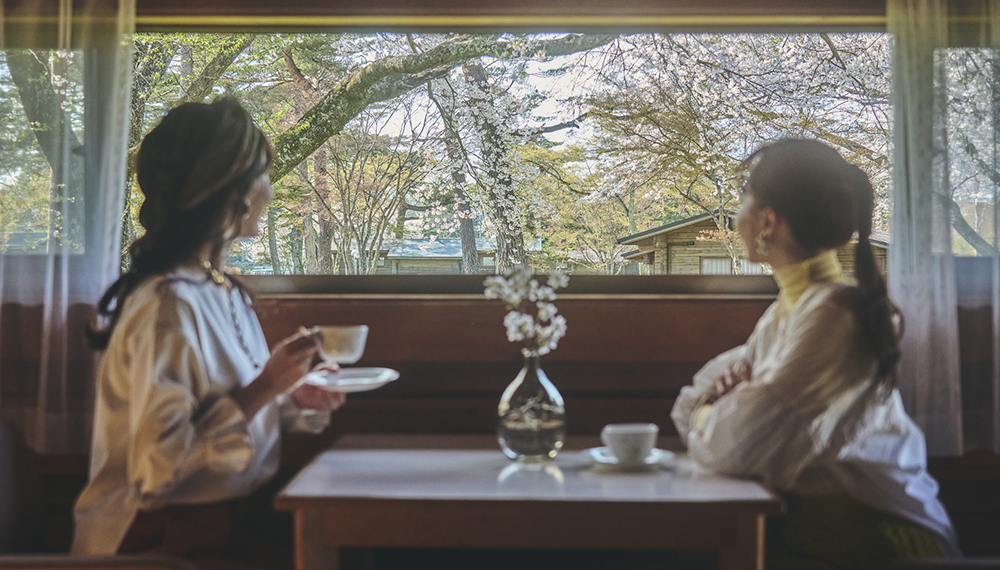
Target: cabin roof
{"x": 879, "y": 238}
{"x": 627, "y": 240}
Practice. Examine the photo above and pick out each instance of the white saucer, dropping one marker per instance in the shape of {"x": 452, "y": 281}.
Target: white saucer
{"x": 603, "y": 455}
{"x": 352, "y": 379}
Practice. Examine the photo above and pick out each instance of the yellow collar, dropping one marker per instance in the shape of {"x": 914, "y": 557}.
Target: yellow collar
{"x": 793, "y": 280}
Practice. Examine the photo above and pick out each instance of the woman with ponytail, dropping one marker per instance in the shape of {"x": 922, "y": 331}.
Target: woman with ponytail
{"x": 809, "y": 404}
{"x": 189, "y": 400}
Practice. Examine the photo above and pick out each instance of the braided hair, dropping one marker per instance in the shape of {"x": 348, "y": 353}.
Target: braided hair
{"x": 195, "y": 169}
{"x": 825, "y": 200}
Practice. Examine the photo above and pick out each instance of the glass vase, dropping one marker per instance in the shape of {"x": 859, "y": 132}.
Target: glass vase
{"x": 531, "y": 416}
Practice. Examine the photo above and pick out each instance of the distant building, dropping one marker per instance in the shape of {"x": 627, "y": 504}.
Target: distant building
{"x": 438, "y": 255}
{"x": 681, "y": 248}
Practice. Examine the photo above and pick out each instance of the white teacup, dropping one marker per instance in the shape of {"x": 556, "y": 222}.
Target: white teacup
{"x": 342, "y": 344}
{"x": 631, "y": 444}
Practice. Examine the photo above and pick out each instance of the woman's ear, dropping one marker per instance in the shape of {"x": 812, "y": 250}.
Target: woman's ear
{"x": 768, "y": 220}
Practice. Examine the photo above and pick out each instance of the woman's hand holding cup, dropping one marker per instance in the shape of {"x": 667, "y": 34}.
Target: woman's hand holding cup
{"x": 292, "y": 359}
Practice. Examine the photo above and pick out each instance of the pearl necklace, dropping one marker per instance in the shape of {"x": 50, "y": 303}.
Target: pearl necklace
{"x": 219, "y": 279}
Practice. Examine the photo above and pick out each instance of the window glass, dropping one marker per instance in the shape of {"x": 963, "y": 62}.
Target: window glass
{"x": 970, "y": 90}
{"x": 41, "y": 168}
{"x": 424, "y": 153}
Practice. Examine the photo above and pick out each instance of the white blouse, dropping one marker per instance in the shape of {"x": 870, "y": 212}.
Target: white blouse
{"x": 812, "y": 419}
{"x": 166, "y": 430}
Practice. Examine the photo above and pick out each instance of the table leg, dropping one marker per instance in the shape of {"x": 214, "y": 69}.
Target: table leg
{"x": 310, "y": 552}
{"x": 746, "y": 550}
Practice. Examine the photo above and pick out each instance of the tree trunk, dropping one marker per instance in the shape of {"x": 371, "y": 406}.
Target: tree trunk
{"x": 498, "y": 179}
{"x": 309, "y": 238}
{"x": 34, "y": 77}
{"x": 440, "y": 93}
{"x": 324, "y": 238}
{"x": 272, "y": 243}
{"x": 722, "y": 222}
{"x": 631, "y": 210}
{"x": 295, "y": 238}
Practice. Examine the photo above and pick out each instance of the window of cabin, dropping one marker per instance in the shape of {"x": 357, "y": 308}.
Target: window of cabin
{"x": 724, "y": 266}
{"x": 752, "y": 268}
{"x": 716, "y": 266}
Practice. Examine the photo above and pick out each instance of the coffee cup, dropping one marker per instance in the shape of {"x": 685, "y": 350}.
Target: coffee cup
{"x": 341, "y": 344}
{"x": 630, "y": 444}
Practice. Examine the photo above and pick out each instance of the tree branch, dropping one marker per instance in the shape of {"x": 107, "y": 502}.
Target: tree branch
{"x": 358, "y": 89}
{"x": 231, "y": 48}
{"x": 572, "y": 123}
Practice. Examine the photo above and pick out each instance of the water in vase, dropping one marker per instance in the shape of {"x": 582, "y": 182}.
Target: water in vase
{"x": 535, "y": 441}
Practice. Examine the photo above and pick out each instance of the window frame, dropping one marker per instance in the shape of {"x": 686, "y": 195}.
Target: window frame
{"x": 594, "y": 16}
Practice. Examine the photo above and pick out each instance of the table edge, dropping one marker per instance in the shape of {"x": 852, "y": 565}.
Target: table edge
{"x": 773, "y": 506}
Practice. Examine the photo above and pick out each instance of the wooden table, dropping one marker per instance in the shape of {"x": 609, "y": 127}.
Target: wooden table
{"x": 461, "y": 492}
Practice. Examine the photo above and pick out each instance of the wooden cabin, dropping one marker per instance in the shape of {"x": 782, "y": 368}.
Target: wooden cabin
{"x": 689, "y": 247}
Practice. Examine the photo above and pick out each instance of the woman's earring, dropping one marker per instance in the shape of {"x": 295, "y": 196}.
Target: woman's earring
{"x": 760, "y": 244}
{"x": 246, "y": 214}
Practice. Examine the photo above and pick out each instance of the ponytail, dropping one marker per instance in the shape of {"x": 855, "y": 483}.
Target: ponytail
{"x": 875, "y": 310}
{"x": 824, "y": 200}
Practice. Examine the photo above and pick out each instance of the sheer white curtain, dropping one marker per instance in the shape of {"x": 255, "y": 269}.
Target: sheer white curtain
{"x": 65, "y": 72}
{"x": 946, "y": 101}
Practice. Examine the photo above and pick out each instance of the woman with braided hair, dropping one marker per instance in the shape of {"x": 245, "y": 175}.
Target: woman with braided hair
{"x": 190, "y": 403}
{"x": 809, "y": 404}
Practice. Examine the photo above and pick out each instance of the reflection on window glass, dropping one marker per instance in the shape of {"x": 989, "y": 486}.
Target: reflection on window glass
{"x": 423, "y": 153}
{"x": 41, "y": 168}
{"x": 970, "y": 87}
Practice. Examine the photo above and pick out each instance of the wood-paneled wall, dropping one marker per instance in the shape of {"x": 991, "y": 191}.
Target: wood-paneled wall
{"x": 621, "y": 360}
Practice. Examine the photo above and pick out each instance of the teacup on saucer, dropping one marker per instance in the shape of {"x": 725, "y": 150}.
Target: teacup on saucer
{"x": 630, "y": 444}
{"x": 342, "y": 344}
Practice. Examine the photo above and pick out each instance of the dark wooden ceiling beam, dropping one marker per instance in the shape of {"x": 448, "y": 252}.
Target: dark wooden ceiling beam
{"x": 21, "y": 18}
{"x": 513, "y": 14}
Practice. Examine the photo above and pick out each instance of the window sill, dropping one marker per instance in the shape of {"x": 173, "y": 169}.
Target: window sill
{"x": 471, "y": 286}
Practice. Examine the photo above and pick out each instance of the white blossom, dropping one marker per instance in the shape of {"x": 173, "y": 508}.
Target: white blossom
{"x": 549, "y": 335}
{"x": 519, "y": 326}
{"x": 539, "y": 329}
{"x": 545, "y": 311}
{"x": 558, "y": 280}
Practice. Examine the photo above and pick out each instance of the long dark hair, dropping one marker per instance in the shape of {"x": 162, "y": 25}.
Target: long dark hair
{"x": 824, "y": 200}
{"x": 195, "y": 170}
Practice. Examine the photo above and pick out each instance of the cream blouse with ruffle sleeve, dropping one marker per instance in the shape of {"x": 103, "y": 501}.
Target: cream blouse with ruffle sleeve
{"x": 812, "y": 419}
{"x": 166, "y": 430}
